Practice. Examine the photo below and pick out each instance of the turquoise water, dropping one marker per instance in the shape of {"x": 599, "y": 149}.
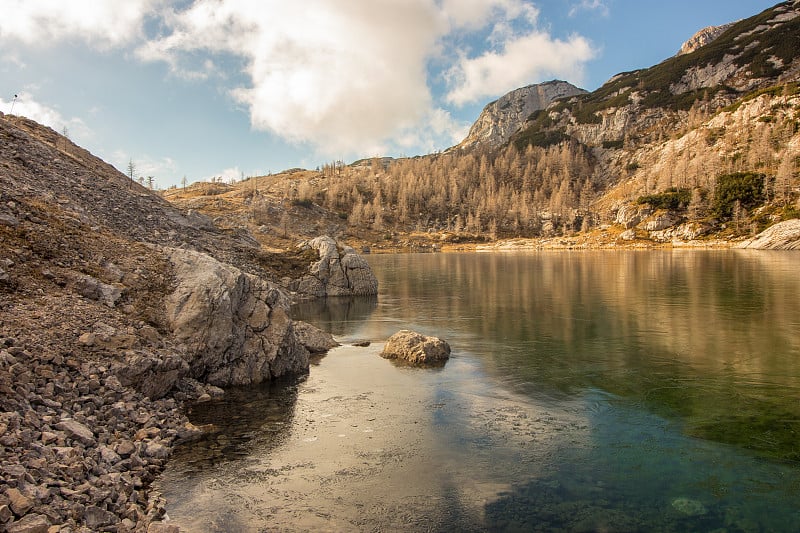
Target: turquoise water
{"x": 587, "y": 391}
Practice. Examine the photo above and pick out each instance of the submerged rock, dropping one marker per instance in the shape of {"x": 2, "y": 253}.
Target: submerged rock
{"x": 689, "y": 507}
{"x": 340, "y": 271}
{"x": 416, "y": 348}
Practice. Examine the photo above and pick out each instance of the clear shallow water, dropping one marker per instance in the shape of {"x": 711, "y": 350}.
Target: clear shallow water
{"x": 591, "y": 391}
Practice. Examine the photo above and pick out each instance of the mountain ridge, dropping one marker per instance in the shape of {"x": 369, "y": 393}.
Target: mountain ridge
{"x": 703, "y": 37}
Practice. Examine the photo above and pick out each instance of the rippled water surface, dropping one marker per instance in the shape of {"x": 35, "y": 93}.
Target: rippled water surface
{"x": 591, "y": 391}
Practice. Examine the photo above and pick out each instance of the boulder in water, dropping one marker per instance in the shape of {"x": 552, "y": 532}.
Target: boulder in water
{"x": 416, "y": 348}
{"x": 340, "y": 271}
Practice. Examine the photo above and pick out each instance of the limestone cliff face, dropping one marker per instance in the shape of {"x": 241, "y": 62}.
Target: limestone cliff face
{"x": 703, "y": 37}
{"x": 503, "y": 117}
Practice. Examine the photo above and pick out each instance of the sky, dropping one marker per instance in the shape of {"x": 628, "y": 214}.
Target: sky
{"x": 198, "y": 89}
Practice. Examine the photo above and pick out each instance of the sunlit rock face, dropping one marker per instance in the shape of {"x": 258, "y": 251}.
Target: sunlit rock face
{"x": 782, "y": 236}
{"x": 702, "y": 38}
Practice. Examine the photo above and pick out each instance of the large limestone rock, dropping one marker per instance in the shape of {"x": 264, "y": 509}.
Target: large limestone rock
{"x": 234, "y": 327}
{"x": 503, "y": 117}
{"x": 782, "y": 236}
{"x": 340, "y": 271}
{"x": 416, "y": 348}
{"x": 685, "y": 232}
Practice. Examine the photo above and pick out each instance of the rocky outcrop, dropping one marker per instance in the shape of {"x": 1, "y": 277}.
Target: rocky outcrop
{"x": 688, "y": 231}
{"x": 415, "y": 348}
{"x": 630, "y": 215}
{"x": 659, "y": 221}
{"x": 340, "y": 271}
{"x": 782, "y": 236}
{"x": 703, "y": 37}
{"x": 234, "y": 327}
{"x": 503, "y": 117}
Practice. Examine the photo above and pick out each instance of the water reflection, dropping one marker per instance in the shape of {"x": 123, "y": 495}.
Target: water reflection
{"x": 710, "y": 337}
{"x": 260, "y": 413}
{"x": 246, "y": 419}
{"x": 337, "y": 315}
{"x": 577, "y": 390}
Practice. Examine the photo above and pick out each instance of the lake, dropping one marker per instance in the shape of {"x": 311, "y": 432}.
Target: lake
{"x": 586, "y": 391}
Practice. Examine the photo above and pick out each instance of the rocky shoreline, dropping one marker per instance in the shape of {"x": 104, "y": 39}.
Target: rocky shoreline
{"x": 116, "y": 310}
{"x": 80, "y": 448}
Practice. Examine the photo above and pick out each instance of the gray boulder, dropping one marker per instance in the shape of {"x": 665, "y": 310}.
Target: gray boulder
{"x": 151, "y": 374}
{"x": 416, "y": 348}
{"x": 94, "y": 289}
{"x": 340, "y": 271}
{"x": 234, "y": 327}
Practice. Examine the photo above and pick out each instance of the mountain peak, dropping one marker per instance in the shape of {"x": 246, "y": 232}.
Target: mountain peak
{"x": 703, "y": 37}
{"x": 500, "y": 119}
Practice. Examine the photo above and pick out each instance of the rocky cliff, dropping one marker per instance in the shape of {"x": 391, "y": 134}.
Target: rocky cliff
{"x": 503, "y": 117}
{"x": 726, "y": 106}
{"x": 782, "y": 236}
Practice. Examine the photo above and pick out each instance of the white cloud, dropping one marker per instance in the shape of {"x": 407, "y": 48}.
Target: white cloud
{"x": 474, "y": 14}
{"x": 440, "y": 130}
{"x": 521, "y": 61}
{"x": 104, "y": 23}
{"x": 228, "y": 175}
{"x": 25, "y": 105}
{"x": 349, "y": 77}
{"x": 14, "y": 60}
{"x": 590, "y": 5}
{"x": 340, "y": 75}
